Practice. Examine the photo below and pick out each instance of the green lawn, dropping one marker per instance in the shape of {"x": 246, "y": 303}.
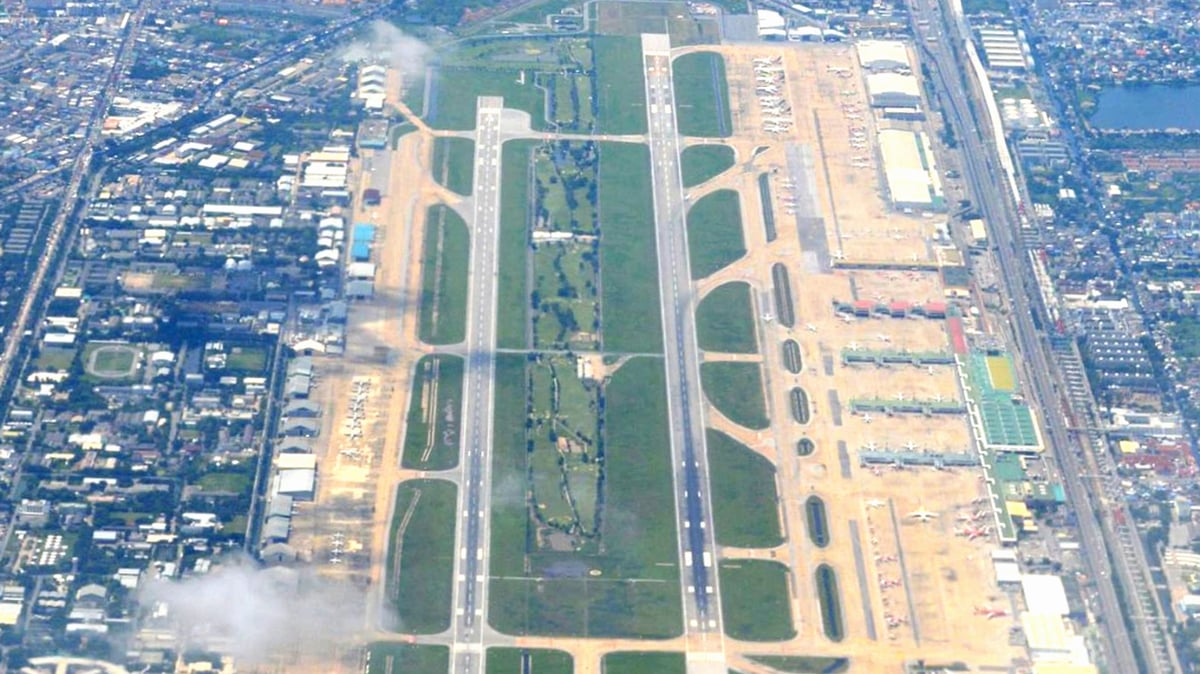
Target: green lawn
{"x": 628, "y": 260}
{"x": 714, "y": 226}
{"x": 831, "y": 603}
{"x": 513, "y": 287}
{"x": 444, "y": 277}
{"x": 817, "y": 520}
{"x": 735, "y": 389}
{"x": 436, "y": 447}
{"x": 702, "y": 95}
{"x": 637, "y": 662}
{"x": 700, "y": 163}
{"x": 537, "y": 590}
{"x": 392, "y": 658}
{"x": 744, "y": 501}
{"x": 454, "y": 163}
{"x": 803, "y": 664}
{"x": 541, "y": 661}
{"x": 456, "y": 90}
{"x": 754, "y": 600}
{"x": 419, "y": 582}
{"x": 622, "y": 84}
{"x": 725, "y": 320}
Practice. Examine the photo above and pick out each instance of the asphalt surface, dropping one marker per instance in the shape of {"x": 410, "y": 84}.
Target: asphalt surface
{"x": 987, "y": 188}
{"x": 702, "y": 609}
{"x": 474, "y": 493}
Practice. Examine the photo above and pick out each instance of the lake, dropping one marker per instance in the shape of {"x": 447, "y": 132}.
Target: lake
{"x": 1148, "y": 108}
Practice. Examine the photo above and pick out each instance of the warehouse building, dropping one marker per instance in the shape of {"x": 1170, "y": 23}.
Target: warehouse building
{"x": 883, "y": 56}
{"x": 893, "y": 90}
{"x": 1050, "y": 639}
{"x": 909, "y": 170}
{"x": 1002, "y": 49}
{"x": 1045, "y": 593}
{"x": 300, "y": 484}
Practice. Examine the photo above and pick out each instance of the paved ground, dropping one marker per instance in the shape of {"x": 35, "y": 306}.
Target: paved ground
{"x": 470, "y": 570}
{"x": 701, "y": 600}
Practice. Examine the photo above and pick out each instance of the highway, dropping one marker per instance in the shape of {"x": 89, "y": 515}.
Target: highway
{"x": 474, "y": 491}
{"x": 1023, "y": 295}
{"x": 702, "y": 605}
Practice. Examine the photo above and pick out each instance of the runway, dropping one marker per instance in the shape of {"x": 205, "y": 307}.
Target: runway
{"x": 701, "y": 597}
{"x": 474, "y": 494}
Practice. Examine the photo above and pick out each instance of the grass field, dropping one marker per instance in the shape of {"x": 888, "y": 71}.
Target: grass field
{"x": 755, "y": 601}
{"x": 628, "y": 259}
{"x": 621, "y": 90}
{"x": 541, "y": 661}
{"x": 245, "y": 359}
{"x": 225, "y": 481}
{"x": 454, "y": 163}
{"x": 513, "y": 287}
{"x": 744, "y": 501}
{"x": 632, "y": 18}
{"x": 831, "y": 603}
{"x": 725, "y": 320}
{"x": 735, "y": 389}
{"x": 702, "y": 95}
{"x": 436, "y": 447}
{"x": 803, "y": 664}
{"x": 1000, "y": 372}
{"x": 585, "y": 591}
{"x": 977, "y": 6}
{"x": 636, "y": 662}
{"x": 817, "y": 521}
{"x": 456, "y": 90}
{"x": 700, "y": 163}
{"x": 390, "y": 658}
{"x": 54, "y": 359}
{"x": 715, "y": 240}
{"x": 419, "y": 578}
{"x": 444, "y": 277}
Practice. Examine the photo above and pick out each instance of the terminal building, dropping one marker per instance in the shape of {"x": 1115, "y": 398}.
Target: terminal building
{"x": 910, "y": 171}
{"x": 893, "y": 90}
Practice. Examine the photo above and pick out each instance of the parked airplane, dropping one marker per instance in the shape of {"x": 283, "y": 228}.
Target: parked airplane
{"x": 971, "y": 533}
{"x": 922, "y": 515}
{"x": 875, "y": 503}
{"x": 990, "y": 612}
{"x": 810, "y": 327}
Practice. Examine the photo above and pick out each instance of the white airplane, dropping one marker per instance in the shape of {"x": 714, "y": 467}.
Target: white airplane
{"x": 884, "y": 338}
{"x": 922, "y": 515}
{"x": 866, "y": 418}
{"x": 910, "y": 446}
{"x": 870, "y": 446}
{"x": 875, "y": 503}
{"x": 810, "y": 327}
{"x": 854, "y": 346}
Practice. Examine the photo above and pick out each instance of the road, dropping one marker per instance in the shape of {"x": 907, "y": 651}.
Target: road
{"x": 1023, "y": 295}
{"x": 701, "y": 597}
{"x": 474, "y": 493}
